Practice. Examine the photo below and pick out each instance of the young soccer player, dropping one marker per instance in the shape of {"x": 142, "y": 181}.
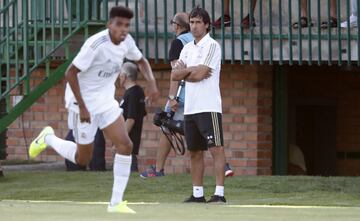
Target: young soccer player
{"x": 91, "y": 104}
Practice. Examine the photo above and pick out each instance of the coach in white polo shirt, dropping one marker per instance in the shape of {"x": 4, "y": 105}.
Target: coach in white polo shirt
{"x": 199, "y": 65}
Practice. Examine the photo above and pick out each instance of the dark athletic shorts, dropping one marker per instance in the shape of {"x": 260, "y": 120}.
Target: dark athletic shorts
{"x": 203, "y": 130}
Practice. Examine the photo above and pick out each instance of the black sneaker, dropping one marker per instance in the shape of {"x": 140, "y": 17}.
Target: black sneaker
{"x": 193, "y": 199}
{"x": 217, "y": 199}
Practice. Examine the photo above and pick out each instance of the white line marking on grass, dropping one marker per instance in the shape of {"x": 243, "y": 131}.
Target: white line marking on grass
{"x": 290, "y": 207}
{"x": 76, "y": 202}
{"x": 157, "y": 203}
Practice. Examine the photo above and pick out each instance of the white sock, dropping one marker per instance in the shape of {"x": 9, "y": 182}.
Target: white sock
{"x": 198, "y": 191}
{"x": 122, "y": 165}
{"x": 65, "y": 148}
{"x": 219, "y": 190}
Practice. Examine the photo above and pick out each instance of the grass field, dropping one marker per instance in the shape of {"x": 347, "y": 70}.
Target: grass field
{"x": 84, "y": 196}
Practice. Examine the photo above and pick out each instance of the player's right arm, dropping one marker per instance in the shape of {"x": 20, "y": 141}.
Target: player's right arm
{"x": 81, "y": 63}
{"x": 71, "y": 77}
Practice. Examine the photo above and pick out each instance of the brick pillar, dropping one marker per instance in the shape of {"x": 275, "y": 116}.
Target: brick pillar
{"x": 247, "y": 108}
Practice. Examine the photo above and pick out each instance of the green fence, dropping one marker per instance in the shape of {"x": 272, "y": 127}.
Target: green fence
{"x": 28, "y": 39}
{"x": 33, "y": 34}
{"x": 271, "y": 37}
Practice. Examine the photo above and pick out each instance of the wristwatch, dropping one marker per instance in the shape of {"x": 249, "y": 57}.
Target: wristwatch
{"x": 171, "y": 97}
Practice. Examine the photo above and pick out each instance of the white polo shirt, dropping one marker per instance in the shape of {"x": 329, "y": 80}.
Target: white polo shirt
{"x": 203, "y": 96}
{"x": 100, "y": 62}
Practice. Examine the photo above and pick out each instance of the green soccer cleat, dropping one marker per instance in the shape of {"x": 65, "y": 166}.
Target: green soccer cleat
{"x": 120, "y": 208}
{"x": 38, "y": 145}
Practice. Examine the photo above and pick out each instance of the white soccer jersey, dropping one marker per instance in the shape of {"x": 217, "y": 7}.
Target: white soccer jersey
{"x": 99, "y": 61}
{"x": 203, "y": 96}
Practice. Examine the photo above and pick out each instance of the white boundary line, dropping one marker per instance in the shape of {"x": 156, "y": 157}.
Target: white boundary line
{"x": 75, "y": 202}
{"x": 157, "y": 203}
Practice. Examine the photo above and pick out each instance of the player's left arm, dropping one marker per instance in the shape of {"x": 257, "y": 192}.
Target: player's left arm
{"x": 151, "y": 90}
{"x": 134, "y": 54}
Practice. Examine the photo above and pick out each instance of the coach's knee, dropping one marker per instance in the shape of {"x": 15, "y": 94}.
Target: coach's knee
{"x": 196, "y": 155}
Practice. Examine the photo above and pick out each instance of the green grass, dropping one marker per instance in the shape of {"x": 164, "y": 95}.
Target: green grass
{"x": 171, "y": 190}
{"x": 15, "y": 211}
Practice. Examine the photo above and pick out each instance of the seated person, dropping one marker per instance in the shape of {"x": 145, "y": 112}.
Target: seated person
{"x": 245, "y": 22}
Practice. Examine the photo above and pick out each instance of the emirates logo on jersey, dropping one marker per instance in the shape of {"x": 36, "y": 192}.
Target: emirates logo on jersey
{"x": 109, "y": 73}
{"x": 105, "y": 74}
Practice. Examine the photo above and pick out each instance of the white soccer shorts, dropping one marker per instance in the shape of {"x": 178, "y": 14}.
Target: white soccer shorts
{"x": 84, "y": 133}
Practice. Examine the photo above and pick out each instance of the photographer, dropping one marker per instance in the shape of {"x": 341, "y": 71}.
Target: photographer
{"x": 180, "y": 24}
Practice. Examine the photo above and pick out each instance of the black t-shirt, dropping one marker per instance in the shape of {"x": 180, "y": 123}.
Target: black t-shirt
{"x": 175, "y": 49}
{"x": 133, "y": 104}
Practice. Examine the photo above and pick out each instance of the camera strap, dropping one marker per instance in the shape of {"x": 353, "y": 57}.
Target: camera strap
{"x": 176, "y": 141}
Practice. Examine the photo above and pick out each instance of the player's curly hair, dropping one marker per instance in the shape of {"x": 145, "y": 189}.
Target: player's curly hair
{"x": 121, "y": 11}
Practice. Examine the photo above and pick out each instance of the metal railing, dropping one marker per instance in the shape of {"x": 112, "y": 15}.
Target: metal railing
{"x": 33, "y": 33}
{"x": 273, "y": 39}
{"x": 29, "y": 37}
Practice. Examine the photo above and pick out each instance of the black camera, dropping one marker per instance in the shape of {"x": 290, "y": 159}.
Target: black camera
{"x": 165, "y": 119}
{"x": 172, "y": 129}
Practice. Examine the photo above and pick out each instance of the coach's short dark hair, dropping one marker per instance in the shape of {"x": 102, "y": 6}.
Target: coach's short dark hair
{"x": 121, "y": 11}
{"x": 201, "y": 13}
